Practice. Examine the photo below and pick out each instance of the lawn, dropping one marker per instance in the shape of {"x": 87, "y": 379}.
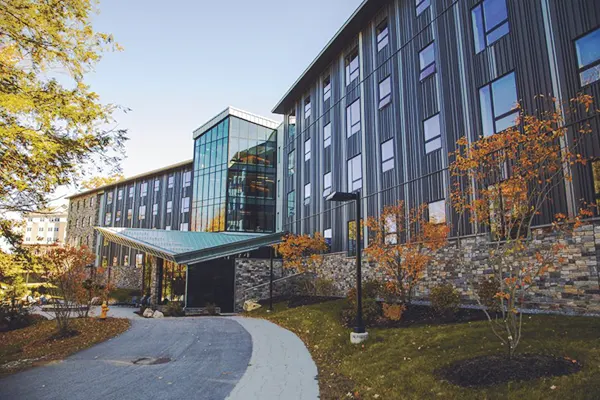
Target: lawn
{"x": 35, "y": 345}
{"x": 399, "y": 363}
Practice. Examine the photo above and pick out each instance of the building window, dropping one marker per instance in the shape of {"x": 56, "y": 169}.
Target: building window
{"x": 352, "y": 67}
{"x": 187, "y": 178}
{"x": 56, "y": 229}
{"x": 307, "y": 107}
{"x": 107, "y": 219}
{"x": 328, "y": 236}
{"x": 588, "y": 57}
{"x": 307, "y": 194}
{"x": 126, "y": 260}
{"x": 291, "y": 204}
{"x": 498, "y": 102}
{"x": 142, "y": 213}
{"x": 118, "y": 216}
{"x": 490, "y": 23}
{"x": 327, "y": 184}
{"x": 437, "y": 212}
{"x": 114, "y": 261}
{"x": 129, "y": 214}
{"x": 131, "y": 190}
{"x": 120, "y": 195}
{"x": 427, "y": 61}
{"x": 28, "y": 239}
{"x": 291, "y": 163}
{"x": 327, "y": 135}
{"x": 382, "y": 35}
{"x": 155, "y": 209}
{"x": 169, "y": 206}
{"x": 422, "y": 5}
{"x": 185, "y": 204}
{"x": 184, "y": 227}
{"x": 144, "y": 189}
{"x": 41, "y": 228}
{"x": 307, "y": 150}
{"x": 355, "y": 173}
{"x": 156, "y": 185}
{"x": 291, "y": 127}
{"x": 29, "y": 229}
{"x": 326, "y": 89}
{"x": 139, "y": 259}
{"x": 385, "y": 92}
{"x": 171, "y": 182}
{"x": 387, "y": 155}
{"x": 596, "y": 179}
{"x": 353, "y": 118}
{"x": 432, "y": 134}
{"x": 109, "y": 198}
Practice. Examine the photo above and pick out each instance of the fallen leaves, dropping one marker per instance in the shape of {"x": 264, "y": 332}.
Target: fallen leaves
{"x": 23, "y": 348}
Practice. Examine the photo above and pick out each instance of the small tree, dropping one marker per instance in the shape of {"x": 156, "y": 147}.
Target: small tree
{"x": 303, "y": 253}
{"x": 66, "y": 270}
{"x": 502, "y": 183}
{"x": 402, "y": 244}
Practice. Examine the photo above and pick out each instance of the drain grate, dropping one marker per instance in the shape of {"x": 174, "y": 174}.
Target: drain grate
{"x": 151, "y": 361}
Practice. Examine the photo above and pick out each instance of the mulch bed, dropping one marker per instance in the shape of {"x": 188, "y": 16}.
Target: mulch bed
{"x": 294, "y": 301}
{"x": 492, "y": 370}
{"x": 417, "y": 314}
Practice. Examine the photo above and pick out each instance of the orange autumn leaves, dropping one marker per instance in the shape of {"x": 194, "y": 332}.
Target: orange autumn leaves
{"x": 402, "y": 244}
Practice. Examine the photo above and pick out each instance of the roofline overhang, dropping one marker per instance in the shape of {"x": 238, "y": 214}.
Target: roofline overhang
{"x": 363, "y": 14}
{"x": 195, "y": 256}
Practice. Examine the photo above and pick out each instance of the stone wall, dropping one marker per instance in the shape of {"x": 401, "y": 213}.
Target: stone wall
{"x": 250, "y": 273}
{"x": 571, "y": 286}
{"x": 126, "y": 277}
{"x": 82, "y": 217}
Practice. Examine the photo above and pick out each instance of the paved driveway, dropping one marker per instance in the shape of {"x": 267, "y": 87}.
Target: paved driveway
{"x": 208, "y": 356}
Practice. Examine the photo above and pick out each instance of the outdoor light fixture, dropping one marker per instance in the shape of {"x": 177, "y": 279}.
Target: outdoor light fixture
{"x": 359, "y": 335}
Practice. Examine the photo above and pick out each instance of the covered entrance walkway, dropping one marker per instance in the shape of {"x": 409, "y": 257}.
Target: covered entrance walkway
{"x": 194, "y": 268}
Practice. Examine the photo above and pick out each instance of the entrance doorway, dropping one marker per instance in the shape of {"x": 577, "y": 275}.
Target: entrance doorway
{"x": 212, "y": 282}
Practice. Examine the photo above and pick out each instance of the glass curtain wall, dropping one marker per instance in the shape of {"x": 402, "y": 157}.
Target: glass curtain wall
{"x": 234, "y": 178}
{"x": 251, "y": 177}
{"x": 210, "y": 174}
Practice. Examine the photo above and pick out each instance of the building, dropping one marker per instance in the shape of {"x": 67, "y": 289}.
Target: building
{"x": 382, "y": 105}
{"x": 189, "y": 232}
{"x": 379, "y": 110}
{"x": 45, "y": 229}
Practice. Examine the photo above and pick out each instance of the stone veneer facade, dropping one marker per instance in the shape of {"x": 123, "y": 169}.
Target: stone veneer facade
{"x": 571, "y": 287}
{"x": 83, "y": 216}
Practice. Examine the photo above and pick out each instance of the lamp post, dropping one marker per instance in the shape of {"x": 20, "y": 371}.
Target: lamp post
{"x": 360, "y": 334}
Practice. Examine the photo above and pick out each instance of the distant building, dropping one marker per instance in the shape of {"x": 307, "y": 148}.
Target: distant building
{"x": 45, "y": 229}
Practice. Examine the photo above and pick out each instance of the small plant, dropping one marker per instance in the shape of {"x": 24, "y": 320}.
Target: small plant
{"x": 371, "y": 289}
{"x": 174, "y": 309}
{"x": 445, "y": 299}
{"x": 393, "y": 312}
{"x": 211, "y": 308}
{"x": 486, "y": 291}
{"x": 325, "y": 287}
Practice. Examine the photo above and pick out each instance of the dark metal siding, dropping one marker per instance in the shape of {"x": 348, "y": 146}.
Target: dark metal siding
{"x": 453, "y": 91}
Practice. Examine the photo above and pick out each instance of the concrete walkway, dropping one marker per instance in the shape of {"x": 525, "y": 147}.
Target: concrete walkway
{"x": 280, "y": 367}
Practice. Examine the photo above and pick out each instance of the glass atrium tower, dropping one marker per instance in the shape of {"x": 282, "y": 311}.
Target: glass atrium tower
{"x": 235, "y": 169}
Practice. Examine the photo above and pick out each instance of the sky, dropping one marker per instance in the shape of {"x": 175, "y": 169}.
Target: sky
{"x": 185, "y": 61}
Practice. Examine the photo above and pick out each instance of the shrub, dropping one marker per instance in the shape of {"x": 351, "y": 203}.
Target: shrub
{"x": 324, "y": 287}
{"x": 371, "y": 289}
{"x": 371, "y": 312}
{"x": 486, "y": 291}
{"x": 173, "y": 309}
{"x": 445, "y": 299}
{"x": 12, "y": 318}
{"x": 211, "y": 308}
{"x": 393, "y": 312}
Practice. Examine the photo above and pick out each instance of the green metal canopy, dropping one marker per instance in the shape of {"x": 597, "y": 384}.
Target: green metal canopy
{"x": 184, "y": 247}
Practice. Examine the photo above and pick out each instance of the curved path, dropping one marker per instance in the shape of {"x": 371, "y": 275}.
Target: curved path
{"x": 209, "y": 358}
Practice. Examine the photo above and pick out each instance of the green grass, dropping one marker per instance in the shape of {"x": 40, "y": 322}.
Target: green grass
{"x": 399, "y": 363}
